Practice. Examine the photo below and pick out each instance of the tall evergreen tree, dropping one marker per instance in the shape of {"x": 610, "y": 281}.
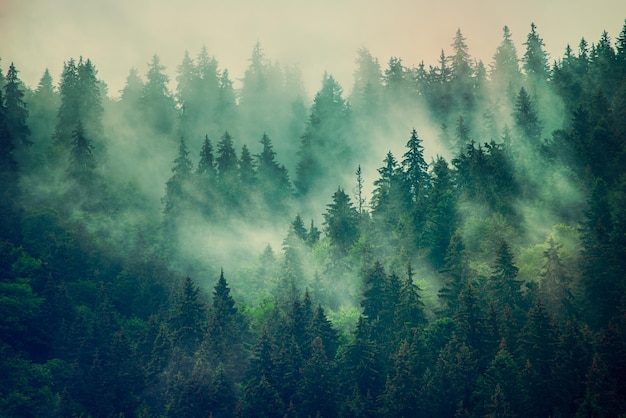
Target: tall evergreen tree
{"x": 177, "y": 192}
{"x": 327, "y": 128}
{"x": 461, "y": 72}
{"x": 90, "y": 101}
{"x": 455, "y": 274}
{"x": 82, "y": 163}
{"x": 69, "y": 112}
{"x": 415, "y": 170}
{"x": 188, "y": 317}
{"x": 504, "y": 71}
{"x": 43, "y": 110}
{"x": 157, "y": 103}
{"x": 341, "y": 222}
{"x": 273, "y": 178}
{"x": 227, "y": 169}
{"x": 15, "y": 108}
{"x": 9, "y": 179}
{"x": 535, "y": 59}
{"x": 526, "y": 118}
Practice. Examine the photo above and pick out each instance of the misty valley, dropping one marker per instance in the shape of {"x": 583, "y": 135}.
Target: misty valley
{"x": 445, "y": 240}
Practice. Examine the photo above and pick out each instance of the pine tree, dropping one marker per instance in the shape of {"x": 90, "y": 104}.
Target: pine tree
{"x": 186, "y": 96}
{"x": 554, "y": 289}
{"x": 298, "y": 227}
{"x": 247, "y": 170}
{"x": 415, "y": 170}
{"x": 321, "y": 327}
{"x": 187, "y": 320}
{"x": 538, "y": 344}
{"x": 327, "y": 128}
{"x": 461, "y": 72}
{"x": 535, "y": 59}
{"x": 341, "y": 222}
{"x": 206, "y": 164}
{"x": 273, "y": 178}
{"x": 82, "y": 163}
{"x": 133, "y": 88}
{"x": 9, "y": 180}
{"x": 505, "y": 287}
{"x": 16, "y": 112}
{"x": 455, "y": 274}
{"x": 367, "y": 88}
{"x": 374, "y": 298}
{"x": 90, "y": 101}
{"x": 441, "y": 219}
{"x": 156, "y": 103}
{"x": 224, "y": 340}
{"x": 389, "y": 200}
{"x": 177, "y": 197}
{"x": 318, "y": 383}
{"x": 43, "y": 110}
{"x": 409, "y": 311}
{"x": 526, "y": 118}
{"x": 227, "y": 170}
{"x": 69, "y": 113}
{"x": 504, "y": 71}
{"x": 402, "y": 392}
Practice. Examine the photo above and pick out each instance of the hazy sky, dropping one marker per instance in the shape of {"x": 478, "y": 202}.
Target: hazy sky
{"x": 317, "y": 35}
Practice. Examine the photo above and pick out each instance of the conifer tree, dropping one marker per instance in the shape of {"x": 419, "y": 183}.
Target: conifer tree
{"x": 461, "y": 72}
{"x": 526, "y": 118}
{"x": 227, "y": 169}
{"x": 504, "y": 71}
{"x": 535, "y": 59}
{"x": 327, "y": 128}
{"x": 388, "y": 199}
{"x": 43, "y": 111}
{"x": 9, "y": 179}
{"x": 156, "y": 103}
{"x": 82, "y": 163}
{"x": 341, "y": 222}
{"x": 187, "y": 320}
{"x": 15, "y": 108}
{"x": 90, "y": 101}
{"x": 247, "y": 170}
{"x": 133, "y": 88}
{"x": 177, "y": 197}
{"x": 299, "y": 228}
{"x": 273, "y": 178}
{"x": 415, "y": 170}
{"x": 206, "y": 164}
{"x": 69, "y": 113}
{"x": 409, "y": 311}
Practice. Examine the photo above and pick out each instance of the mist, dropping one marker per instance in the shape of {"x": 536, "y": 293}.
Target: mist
{"x": 218, "y": 209}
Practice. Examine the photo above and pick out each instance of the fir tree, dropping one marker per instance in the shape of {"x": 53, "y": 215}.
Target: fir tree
{"x": 16, "y": 112}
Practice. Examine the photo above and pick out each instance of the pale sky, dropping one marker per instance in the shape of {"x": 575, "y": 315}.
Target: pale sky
{"x": 316, "y": 35}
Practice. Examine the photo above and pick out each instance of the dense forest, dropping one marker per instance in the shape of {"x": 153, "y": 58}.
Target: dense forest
{"x": 447, "y": 240}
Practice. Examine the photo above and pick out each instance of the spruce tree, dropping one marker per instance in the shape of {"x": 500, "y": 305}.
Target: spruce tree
{"x": 341, "y": 222}
{"x": 15, "y": 108}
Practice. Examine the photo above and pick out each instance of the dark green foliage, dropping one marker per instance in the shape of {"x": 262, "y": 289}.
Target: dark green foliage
{"x": 272, "y": 178}
{"x": 16, "y": 111}
{"x": 528, "y": 320}
{"x": 326, "y": 129}
{"x": 505, "y": 72}
{"x": 526, "y": 119}
{"x": 535, "y": 59}
{"x": 341, "y": 222}
{"x": 188, "y": 317}
{"x": 82, "y": 163}
{"x": 156, "y": 102}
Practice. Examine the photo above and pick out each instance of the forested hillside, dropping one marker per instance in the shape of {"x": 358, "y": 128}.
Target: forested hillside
{"x": 446, "y": 240}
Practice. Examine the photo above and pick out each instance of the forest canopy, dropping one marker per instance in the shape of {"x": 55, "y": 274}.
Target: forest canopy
{"x": 192, "y": 248}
